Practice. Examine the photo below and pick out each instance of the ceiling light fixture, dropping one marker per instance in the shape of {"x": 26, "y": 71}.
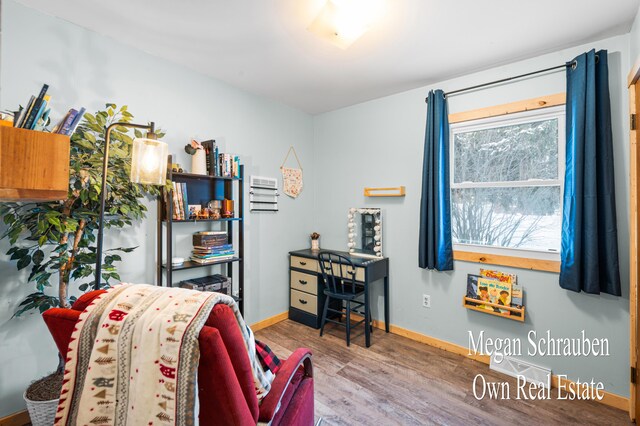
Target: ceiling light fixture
{"x": 342, "y": 22}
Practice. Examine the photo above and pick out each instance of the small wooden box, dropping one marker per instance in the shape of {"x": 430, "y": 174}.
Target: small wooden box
{"x": 34, "y": 166}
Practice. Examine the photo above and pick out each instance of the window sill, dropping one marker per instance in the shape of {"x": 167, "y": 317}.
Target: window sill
{"x": 515, "y": 262}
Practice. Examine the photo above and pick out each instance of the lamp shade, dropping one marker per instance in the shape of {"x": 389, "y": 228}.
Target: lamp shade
{"x": 149, "y": 161}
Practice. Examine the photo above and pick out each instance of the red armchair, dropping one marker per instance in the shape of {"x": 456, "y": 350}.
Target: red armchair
{"x": 225, "y": 381}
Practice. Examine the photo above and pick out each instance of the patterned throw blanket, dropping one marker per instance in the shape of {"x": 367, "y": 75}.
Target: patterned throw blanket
{"x": 133, "y": 357}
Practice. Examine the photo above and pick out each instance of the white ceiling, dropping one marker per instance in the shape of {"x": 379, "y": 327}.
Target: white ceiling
{"x": 263, "y": 46}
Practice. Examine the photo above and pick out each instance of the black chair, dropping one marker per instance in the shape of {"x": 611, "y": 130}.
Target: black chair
{"x": 338, "y": 274}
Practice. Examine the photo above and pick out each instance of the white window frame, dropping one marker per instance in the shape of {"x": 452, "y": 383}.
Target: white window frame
{"x": 557, "y": 112}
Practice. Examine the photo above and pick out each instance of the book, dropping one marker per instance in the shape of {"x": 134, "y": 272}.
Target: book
{"x": 76, "y": 121}
{"x": 24, "y": 112}
{"x": 214, "y": 256}
{"x": 498, "y": 275}
{"x": 472, "y": 286}
{"x": 64, "y": 128}
{"x": 213, "y": 260}
{"x": 43, "y": 121}
{"x": 210, "y": 149}
{"x": 174, "y": 200}
{"x": 40, "y": 113}
{"x": 205, "y": 241}
{"x": 516, "y": 295}
{"x": 213, "y": 248}
{"x": 36, "y": 106}
{"x": 496, "y": 292}
{"x": 185, "y": 202}
{"x": 180, "y": 201}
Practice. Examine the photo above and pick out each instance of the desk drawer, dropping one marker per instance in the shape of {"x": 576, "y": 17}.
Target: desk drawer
{"x": 304, "y": 263}
{"x": 304, "y": 301}
{"x": 304, "y": 282}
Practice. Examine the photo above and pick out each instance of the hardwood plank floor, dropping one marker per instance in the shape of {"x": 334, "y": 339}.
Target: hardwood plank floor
{"x": 398, "y": 381}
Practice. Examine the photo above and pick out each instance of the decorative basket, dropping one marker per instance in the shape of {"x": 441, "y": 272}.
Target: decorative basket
{"x": 42, "y": 413}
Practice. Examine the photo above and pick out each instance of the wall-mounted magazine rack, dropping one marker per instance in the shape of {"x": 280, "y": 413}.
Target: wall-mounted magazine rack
{"x": 512, "y": 313}
{"x": 263, "y": 194}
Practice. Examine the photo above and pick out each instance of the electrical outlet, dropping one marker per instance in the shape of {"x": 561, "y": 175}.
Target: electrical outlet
{"x": 426, "y": 301}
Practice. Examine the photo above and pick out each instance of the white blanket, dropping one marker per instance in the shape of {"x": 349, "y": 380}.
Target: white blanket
{"x": 133, "y": 357}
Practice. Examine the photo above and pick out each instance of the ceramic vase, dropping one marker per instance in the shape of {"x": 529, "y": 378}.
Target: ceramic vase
{"x": 199, "y": 162}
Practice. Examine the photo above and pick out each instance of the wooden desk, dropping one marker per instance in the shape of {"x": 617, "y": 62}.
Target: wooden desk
{"x": 306, "y": 287}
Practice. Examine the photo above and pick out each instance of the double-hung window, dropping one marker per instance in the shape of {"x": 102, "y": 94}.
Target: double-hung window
{"x": 507, "y": 176}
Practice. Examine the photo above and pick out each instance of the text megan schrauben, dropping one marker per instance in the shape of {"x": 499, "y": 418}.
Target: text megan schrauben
{"x": 545, "y": 345}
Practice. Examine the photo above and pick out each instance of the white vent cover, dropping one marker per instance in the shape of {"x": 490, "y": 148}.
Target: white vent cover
{"x": 264, "y": 182}
{"x": 514, "y": 367}
{"x": 263, "y": 195}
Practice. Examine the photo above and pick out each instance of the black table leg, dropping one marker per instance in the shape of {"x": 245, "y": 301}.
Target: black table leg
{"x": 386, "y": 303}
{"x": 367, "y": 309}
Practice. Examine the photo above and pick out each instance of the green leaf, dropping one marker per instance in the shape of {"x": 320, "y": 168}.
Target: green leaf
{"x": 38, "y": 257}
{"x": 90, "y": 137}
{"x": 19, "y": 253}
{"x": 24, "y": 262}
{"x": 54, "y": 221}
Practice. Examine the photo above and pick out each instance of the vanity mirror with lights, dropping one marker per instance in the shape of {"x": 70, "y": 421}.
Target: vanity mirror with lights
{"x": 365, "y": 232}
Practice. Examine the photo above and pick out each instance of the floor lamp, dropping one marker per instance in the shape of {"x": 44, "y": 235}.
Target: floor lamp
{"x": 148, "y": 166}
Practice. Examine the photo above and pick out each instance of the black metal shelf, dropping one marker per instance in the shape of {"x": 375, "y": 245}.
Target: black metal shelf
{"x": 231, "y": 219}
{"x": 199, "y": 188}
{"x": 189, "y": 264}
{"x": 196, "y": 176}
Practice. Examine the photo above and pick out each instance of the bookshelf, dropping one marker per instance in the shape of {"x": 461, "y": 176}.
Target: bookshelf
{"x": 200, "y": 190}
{"x": 34, "y": 166}
{"x": 516, "y": 314}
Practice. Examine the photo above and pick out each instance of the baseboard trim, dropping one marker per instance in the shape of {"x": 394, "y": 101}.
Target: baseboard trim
{"x": 267, "y": 322}
{"x": 609, "y": 398}
{"x": 20, "y": 418}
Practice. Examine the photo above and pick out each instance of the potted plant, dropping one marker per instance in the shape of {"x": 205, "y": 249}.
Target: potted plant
{"x": 198, "y": 157}
{"x": 315, "y": 241}
{"x": 56, "y": 240}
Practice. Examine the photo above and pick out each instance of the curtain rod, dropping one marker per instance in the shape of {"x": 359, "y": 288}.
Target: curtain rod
{"x": 568, "y": 64}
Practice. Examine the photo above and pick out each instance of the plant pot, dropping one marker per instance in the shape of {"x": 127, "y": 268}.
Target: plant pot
{"x": 199, "y": 162}
{"x": 43, "y": 413}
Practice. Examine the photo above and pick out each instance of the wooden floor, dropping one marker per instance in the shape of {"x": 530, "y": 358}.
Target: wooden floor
{"x": 401, "y": 382}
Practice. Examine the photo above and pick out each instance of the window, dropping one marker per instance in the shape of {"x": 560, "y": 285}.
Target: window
{"x": 507, "y": 174}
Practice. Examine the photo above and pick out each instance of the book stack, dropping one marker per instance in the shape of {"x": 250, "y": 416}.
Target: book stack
{"x": 36, "y": 115}
{"x": 219, "y": 163}
{"x": 180, "y": 201}
{"x": 211, "y": 247}
{"x": 497, "y": 288}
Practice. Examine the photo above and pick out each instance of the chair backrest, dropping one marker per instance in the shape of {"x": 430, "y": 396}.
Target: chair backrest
{"x": 338, "y": 272}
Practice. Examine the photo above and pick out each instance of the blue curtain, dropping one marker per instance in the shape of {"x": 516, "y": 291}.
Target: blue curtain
{"x": 589, "y": 231}
{"x": 435, "y": 250}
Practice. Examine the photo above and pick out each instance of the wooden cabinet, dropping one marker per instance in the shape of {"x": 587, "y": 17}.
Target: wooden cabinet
{"x": 34, "y": 166}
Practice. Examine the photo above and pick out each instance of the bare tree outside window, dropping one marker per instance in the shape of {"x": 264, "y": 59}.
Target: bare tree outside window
{"x": 506, "y": 182}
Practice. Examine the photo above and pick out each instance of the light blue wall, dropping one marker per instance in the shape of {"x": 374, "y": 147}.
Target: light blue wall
{"x": 380, "y": 143}
{"x": 87, "y": 69}
{"x": 634, "y": 39}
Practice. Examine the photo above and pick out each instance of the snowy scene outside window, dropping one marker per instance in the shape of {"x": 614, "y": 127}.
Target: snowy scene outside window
{"x": 506, "y": 180}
